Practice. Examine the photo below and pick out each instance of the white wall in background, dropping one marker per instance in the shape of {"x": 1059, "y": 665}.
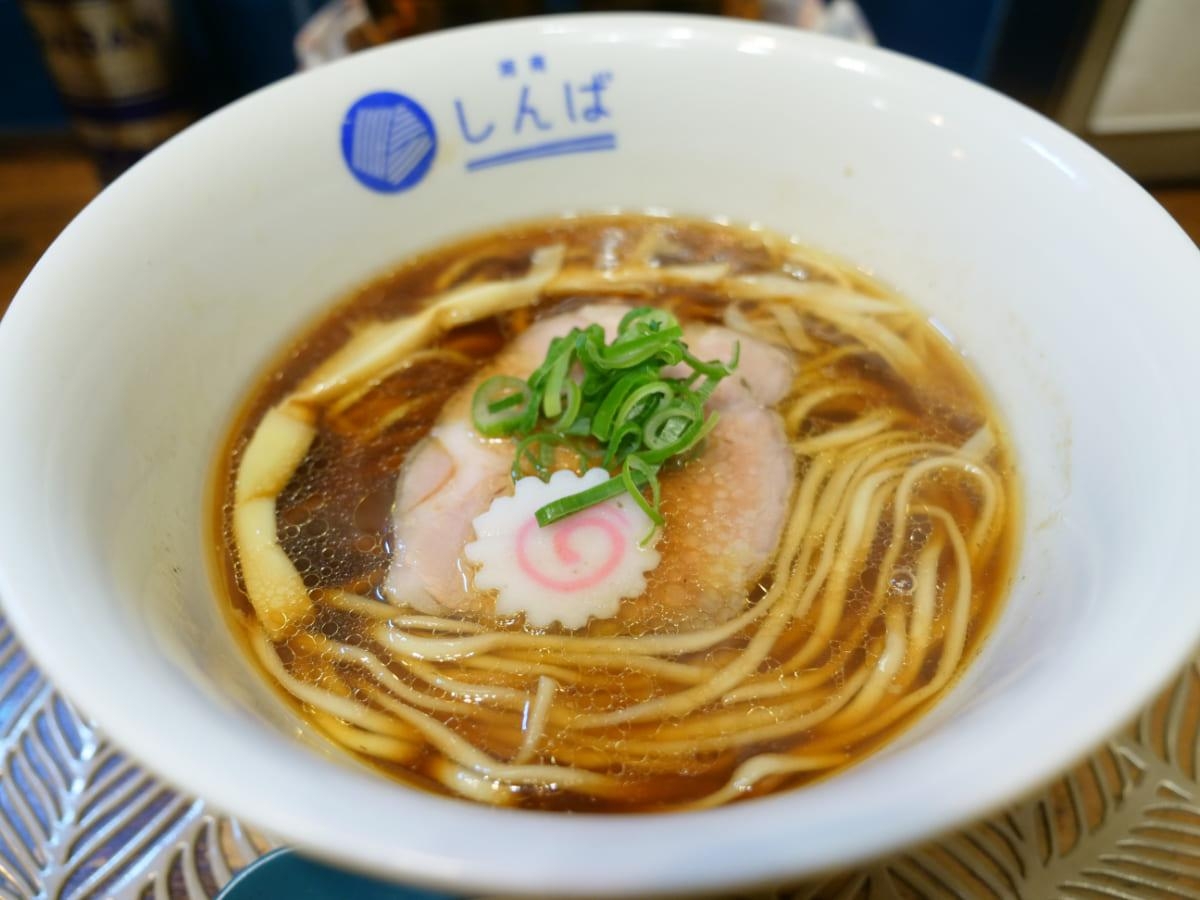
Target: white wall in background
{"x": 1153, "y": 79}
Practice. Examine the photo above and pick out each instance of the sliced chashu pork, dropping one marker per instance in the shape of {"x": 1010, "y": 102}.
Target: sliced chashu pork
{"x": 724, "y": 509}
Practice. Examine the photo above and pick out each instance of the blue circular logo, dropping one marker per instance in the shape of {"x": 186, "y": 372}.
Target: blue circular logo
{"x": 388, "y": 142}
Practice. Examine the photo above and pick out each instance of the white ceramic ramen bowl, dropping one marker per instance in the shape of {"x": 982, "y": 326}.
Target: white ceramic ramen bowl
{"x": 125, "y": 353}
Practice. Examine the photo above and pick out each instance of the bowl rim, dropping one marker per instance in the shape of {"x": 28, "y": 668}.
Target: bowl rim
{"x": 653, "y": 863}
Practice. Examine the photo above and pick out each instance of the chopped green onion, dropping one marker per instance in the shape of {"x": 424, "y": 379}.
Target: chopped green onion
{"x": 714, "y": 368}
{"x": 574, "y": 397}
{"x": 643, "y": 319}
{"x": 605, "y": 403}
{"x": 644, "y": 400}
{"x": 559, "y": 347}
{"x": 553, "y": 390}
{"x": 633, "y": 472}
{"x": 606, "y": 413}
{"x": 629, "y": 353}
{"x": 606, "y": 490}
{"x": 707, "y": 386}
{"x": 626, "y": 440}
{"x": 668, "y": 425}
{"x": 580, "y": 428}
{"x": 536, "y": 451}
{"x": 502, "y": 406}
{"x": 686, "y": 442}
{"x": 514, "y": 399}
{"x": 565, "y": 506}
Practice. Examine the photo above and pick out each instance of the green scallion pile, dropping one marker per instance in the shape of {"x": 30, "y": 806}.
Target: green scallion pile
{"x": 623, "y": 414}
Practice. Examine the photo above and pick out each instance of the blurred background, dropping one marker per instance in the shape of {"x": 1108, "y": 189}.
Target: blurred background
{"x": 88, "y": 86}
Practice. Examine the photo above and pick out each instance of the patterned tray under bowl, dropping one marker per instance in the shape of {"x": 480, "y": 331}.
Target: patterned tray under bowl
{"x": 80, "y": 820}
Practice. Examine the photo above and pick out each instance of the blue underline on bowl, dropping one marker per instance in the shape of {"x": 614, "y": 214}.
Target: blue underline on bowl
{"x": 590, "y": 143}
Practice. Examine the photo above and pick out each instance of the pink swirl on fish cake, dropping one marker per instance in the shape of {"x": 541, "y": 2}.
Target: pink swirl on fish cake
{"x": 611, "y": 523}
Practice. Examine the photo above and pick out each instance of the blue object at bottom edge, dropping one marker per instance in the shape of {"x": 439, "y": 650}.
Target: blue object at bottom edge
{"x": 286, "y": 875}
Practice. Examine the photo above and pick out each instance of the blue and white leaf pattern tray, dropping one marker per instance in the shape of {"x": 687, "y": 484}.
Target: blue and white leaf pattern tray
{"x": 80, "y": 820}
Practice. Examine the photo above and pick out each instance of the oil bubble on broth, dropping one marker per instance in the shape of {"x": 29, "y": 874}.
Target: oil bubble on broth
{"x": 833, "y": 546}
